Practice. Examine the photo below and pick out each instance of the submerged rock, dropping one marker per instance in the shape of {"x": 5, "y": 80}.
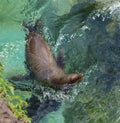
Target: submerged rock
{"x": 37, "y": 109}
{"x": 98, "y": 101}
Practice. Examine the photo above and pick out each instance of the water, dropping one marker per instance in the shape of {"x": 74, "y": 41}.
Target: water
{"x": 89, "y": 31}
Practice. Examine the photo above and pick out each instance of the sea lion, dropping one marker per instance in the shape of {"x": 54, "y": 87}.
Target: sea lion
{"x": 41, "y": 62}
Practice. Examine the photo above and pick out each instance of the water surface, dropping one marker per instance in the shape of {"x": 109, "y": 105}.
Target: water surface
{"x": 89, "y": 32}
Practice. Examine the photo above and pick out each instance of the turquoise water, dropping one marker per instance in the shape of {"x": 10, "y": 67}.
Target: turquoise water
{"x": 89, "y": 31}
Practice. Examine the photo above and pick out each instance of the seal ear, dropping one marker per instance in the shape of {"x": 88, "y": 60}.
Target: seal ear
{"x": 75, "y": 78}
{"x": 61, "y": 59}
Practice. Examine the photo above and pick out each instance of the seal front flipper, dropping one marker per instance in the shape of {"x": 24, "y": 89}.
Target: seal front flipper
{"x": 19, "y": 78}
{"x": 61, "y": 59}
{"x": 22, "y": 82}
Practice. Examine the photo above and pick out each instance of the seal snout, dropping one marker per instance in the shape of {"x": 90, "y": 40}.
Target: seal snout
{"x": 75, "y": 77}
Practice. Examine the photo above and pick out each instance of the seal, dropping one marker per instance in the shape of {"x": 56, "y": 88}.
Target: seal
{"x": 42, "y": 64}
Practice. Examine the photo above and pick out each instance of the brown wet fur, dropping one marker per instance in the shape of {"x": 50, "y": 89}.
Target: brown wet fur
{"x": 42, "y": 64}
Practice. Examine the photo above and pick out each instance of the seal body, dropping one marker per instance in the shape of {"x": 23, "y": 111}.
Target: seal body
{"x": 41, "y": 62}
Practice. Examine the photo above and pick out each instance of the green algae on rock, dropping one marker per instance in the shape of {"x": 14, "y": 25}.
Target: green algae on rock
{"x": 13, "y": 104}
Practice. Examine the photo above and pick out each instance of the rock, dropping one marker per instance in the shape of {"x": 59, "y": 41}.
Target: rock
{"x": 6, "y": 115}
{"x": 38, "y": 110}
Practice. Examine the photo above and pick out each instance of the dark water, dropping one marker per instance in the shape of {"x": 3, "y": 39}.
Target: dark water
{"x": 89, "y": 32}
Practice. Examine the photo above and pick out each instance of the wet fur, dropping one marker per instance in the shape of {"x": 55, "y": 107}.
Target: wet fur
{"x": 40, "y": 61}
